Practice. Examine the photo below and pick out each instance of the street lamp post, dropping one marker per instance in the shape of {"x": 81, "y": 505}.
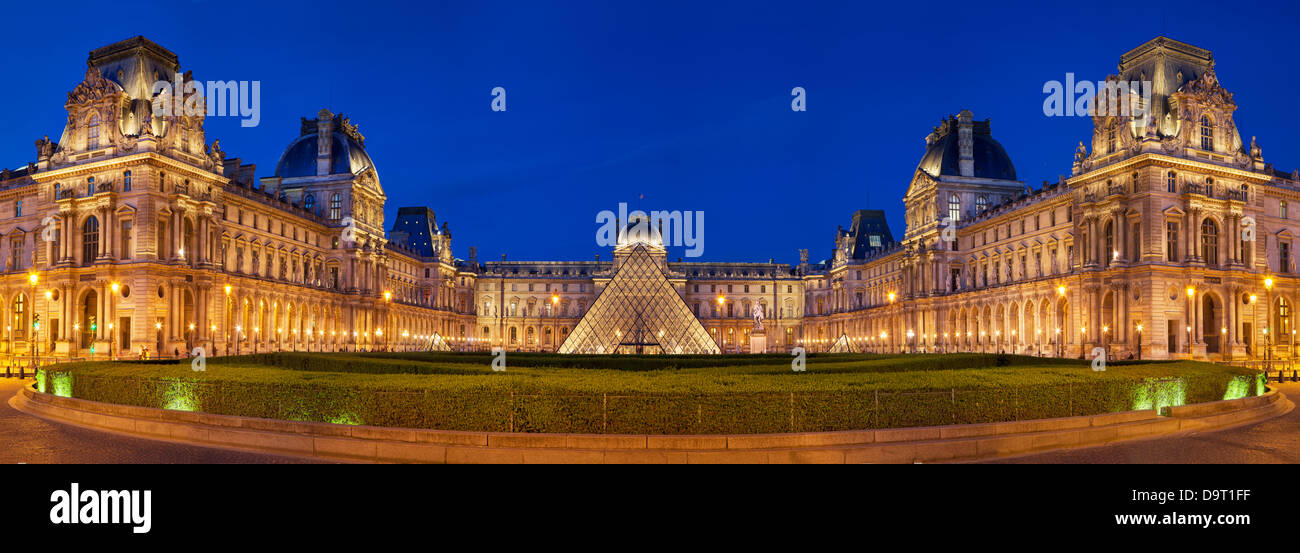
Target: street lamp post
{"x": 33, "y": 279}
{"x": 1191, "y": 314}
{"x": 1105, "y": 335}
{"x": 1223, "y": 339}
{"x": 49, "y": 298}
{"x": 1060, "y": 347}
{"x": 1254, "y": 318}
{"x": 388, "y": 299}
{"x": 112, "y": 302}
{"x": 722, "y": 300}
{"x": 891, "y": 317}
{"x": 1139, "y": 341}
{"x": 1268, "y": 317}
{"x": 225, "y": 326}
{"x": 555, "y": 329}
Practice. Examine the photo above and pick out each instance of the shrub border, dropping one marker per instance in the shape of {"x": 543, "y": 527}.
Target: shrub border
{"x": 903, "y": 445}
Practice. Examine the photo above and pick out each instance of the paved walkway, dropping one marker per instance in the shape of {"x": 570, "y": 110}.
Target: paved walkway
{"x": 1275, "y": 440}
{"x": 28, "y": 439}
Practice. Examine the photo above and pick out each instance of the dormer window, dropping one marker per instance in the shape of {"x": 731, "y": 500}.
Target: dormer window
{"x": 1207, "y": 133}
{"x": 981, "y": 204}
{"x": 92, "y": 132}
{"x": 1110, "y": 140}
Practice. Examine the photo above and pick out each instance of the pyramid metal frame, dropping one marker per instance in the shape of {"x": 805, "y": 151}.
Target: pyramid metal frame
{"x": 841, "y": 345}
{"x": 639, "y": 311}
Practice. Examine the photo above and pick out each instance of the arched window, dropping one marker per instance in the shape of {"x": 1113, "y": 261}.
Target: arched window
{"x": 1172, "y": 182}
{"x": 981, "y": 204}
{"x": 954, "y": 208}
{"x": 126, "y": 181}
{"x": 1207, "y": 133}
{"x": 1210, "y": 242}
{"x": 89, "y": 240}
{"x": 92, "y": 132}
{"x": 336, "y": 207}
{"x": 309, "y": 202}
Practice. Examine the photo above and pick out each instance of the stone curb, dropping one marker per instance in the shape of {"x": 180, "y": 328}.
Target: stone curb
{"x": 407, "y": 445}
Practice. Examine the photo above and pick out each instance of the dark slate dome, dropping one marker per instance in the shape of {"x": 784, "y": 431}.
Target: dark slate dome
{"x": 299, "y": 159}
{"x": 943, "y": 154}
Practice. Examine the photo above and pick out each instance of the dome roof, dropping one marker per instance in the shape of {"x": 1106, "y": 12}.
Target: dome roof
{"x": 299, "y": 159}
{"x": 943, "y": 153}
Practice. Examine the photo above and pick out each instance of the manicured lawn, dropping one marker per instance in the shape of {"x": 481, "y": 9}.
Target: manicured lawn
{"x": 670, "y": 395}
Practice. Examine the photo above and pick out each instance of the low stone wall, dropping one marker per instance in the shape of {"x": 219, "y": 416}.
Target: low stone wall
{"x": 405, "y": 445}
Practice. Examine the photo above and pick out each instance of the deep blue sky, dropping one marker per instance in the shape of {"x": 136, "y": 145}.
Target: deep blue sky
{"x": 687, "y": 103}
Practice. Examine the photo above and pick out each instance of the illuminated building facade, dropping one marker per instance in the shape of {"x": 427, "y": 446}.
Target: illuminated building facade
{"x": 1170, "y": 239}
{"x": 1140, "y": 251}
{"x": 133, "y": 232}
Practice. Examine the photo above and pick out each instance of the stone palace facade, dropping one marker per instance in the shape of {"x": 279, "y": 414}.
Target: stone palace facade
{"x": 133, "y": 232}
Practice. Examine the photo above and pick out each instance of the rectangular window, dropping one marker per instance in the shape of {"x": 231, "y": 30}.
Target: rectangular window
{"x": 124, "y": 249}
{"x": 1284, "y": 252}
{"x": 18, "y": 208}
{"x": 1171, "y": 241}
{"x": 16, "y": 254}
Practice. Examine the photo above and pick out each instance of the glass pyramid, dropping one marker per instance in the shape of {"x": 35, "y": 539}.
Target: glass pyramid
{"x": 436, "y": 343}
{"x": 639, "y": 311}
{"x": 841, "y": 345}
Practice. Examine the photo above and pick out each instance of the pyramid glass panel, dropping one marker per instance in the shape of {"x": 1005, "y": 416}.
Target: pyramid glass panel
{"x": 841, "y": 345}
{"x": 639, "y": 311}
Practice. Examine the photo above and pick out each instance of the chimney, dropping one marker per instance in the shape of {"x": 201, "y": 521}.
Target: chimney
{"x": 324, "y": 141}
{"x": 965, "y": 144}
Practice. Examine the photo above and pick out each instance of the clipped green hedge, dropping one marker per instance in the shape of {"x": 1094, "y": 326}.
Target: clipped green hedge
{"x": 471, "y": 363}
{"x": 837, "y": 394}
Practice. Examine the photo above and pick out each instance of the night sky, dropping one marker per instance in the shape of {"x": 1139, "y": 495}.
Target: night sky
{"x": 685, "y": 103}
